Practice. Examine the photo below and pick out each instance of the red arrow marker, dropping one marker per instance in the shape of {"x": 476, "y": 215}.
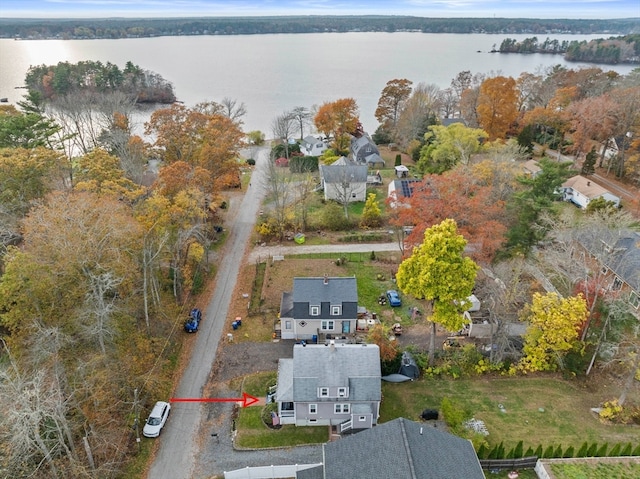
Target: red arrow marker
{"x": 246, "y": 400}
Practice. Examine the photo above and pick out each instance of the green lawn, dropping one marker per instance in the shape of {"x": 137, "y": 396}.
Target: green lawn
{"x": 538, "y": 410}
{"x": 605, "y": 470}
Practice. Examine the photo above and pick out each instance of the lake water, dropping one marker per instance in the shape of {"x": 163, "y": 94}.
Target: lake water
{"x": 275, "y": 73}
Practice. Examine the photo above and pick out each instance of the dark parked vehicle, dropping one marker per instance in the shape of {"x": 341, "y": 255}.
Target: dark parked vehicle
{"x": 191, "y": 325}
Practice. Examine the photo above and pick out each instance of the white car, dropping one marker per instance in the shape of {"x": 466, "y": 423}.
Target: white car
{"x": 156, "y": 419}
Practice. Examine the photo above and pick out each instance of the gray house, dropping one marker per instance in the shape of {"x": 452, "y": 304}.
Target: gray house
{"x": 332, "y": 384}
{"x": 319, "y": 307}
{"x": 344, "y": 183}
{"x": 398, "y": 449}
{"x": 365, "y": 152}
{"x": 619, "y": 258}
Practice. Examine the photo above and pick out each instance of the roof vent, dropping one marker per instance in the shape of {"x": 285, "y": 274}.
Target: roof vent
{"x": 326, "y": 279}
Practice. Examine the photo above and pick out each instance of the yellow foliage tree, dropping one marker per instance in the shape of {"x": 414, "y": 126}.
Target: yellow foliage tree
{"x": 554, "y": 325}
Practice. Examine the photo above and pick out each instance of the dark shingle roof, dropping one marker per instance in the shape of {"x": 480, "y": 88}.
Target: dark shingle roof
{"x": 316, "y": 291}
{"x": 403, "y": 449}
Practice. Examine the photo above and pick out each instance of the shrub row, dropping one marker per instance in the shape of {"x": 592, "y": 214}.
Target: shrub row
{"x": 499, "y": 451}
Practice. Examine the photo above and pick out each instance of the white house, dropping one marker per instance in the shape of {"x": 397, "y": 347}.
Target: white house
{"x": 313, "y": 146}
{"x": 344, "y": 183}
{"x": 581, "y": 191}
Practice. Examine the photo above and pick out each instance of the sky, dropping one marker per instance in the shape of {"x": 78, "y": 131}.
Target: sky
{"x": 585, "y": 9}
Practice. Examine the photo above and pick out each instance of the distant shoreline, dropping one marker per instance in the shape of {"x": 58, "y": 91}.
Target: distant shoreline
{"x": 116, "y": 28}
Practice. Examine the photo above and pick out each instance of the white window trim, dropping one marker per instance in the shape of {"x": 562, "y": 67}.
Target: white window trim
{"x": 324, "y": 326}
{"x": 362, "y": 418}
{"x": 340, "y": 408}
{"x": 323, "y": 392}
{"x": 314, "y": 310}
{"x": 616, "y": 284}
{"x": 313, "y": 409}
{"x": 634, "y": 299}
{"x": 336, "y": 310}
{"x": 343, "y": 392}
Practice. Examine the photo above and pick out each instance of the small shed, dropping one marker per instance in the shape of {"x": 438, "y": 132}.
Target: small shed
{"x": 401, "y": 171}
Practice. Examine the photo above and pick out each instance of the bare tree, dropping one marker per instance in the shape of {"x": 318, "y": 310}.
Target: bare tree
{"x": 234, "y": 110}
{"x": 283, "y": 126}
{"x": 100, "y": 305}
{"x": 504, "y": 289}
{"x": 580, "y": 249}
{"x": 279, "y": 194}
{"x": 34, "y": 426}
{"x": 304, "y": 188}
{"x": 302, "y": 117}
{"x": 347, "y": 186}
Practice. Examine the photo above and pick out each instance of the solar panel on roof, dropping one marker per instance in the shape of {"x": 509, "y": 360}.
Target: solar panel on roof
{"x": 406, "y": 190}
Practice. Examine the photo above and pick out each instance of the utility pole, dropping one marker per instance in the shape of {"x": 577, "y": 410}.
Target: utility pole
{"x": 136, "y": 421}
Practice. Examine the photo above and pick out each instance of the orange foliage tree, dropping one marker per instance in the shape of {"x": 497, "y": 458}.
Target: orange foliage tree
{"x": 202, "y": 136}
{"x": 456, "y": 194}
{"x": 497, "y": 106}
{"x": 338, "y": 119}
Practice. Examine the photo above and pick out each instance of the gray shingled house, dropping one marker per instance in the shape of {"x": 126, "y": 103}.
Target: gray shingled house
{"x": 398, "y": 449}
{"x": 333, "y": 384}
{"x": 365, "y": 152}
{"x": 319, "y": 308}
{"x": 618, "y": 253}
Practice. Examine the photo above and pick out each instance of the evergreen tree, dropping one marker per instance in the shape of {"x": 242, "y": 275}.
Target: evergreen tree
{"x": 538, "y": 452}
{"x": 539, "y": 195}
{"x": 582, "y": 452}
{"x": 569, "y": 452}
{"x": 558, "y": 451}
{"x": 602, "y": 450}
{"x": 626, "y": 450}
{"x": 517, "y": 453}
{"x": 615, "y": 450}
{"x": 548, "y": 452}
{"x": 589, "y": 164}
{"x": 592, "y": 450}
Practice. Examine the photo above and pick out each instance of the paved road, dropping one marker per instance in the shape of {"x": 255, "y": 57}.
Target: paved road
{"x": 175, "y": 458}
{"x": 178, "y": 446}
{"x": 614, "y": 187}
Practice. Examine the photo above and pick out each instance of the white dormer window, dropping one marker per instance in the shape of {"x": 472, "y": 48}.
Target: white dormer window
{"x": 336, "y": 310}
{"x": 314, "y": 310}
{"x": 323, "y": 392}
{"x": 343, "y": 392}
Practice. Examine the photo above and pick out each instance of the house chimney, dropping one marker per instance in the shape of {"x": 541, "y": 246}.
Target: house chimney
{"x": 326, "y": 279}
